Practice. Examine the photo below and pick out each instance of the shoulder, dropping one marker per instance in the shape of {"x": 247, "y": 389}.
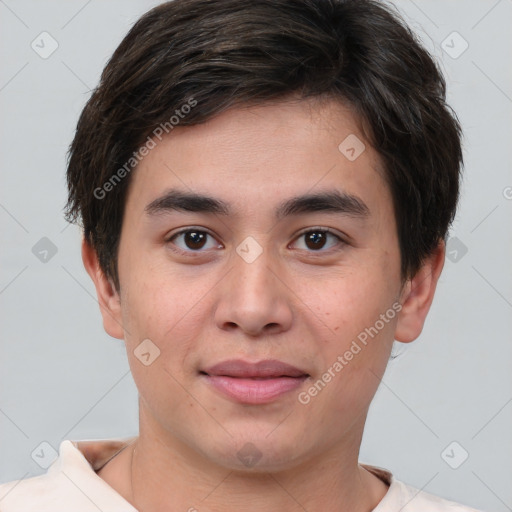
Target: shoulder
{"x": 20, "y": 494}
{"x": 42, "y": 491}
{"x": 405, "y": 498}
{"x": 413, "y": 499}
{"x": 70, "y": 480}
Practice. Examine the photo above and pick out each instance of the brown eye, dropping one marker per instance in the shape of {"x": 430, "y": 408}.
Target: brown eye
{"x": 318, "y": 240}
{"x": 315, "y": 239}
{"x": 193, "y": 240}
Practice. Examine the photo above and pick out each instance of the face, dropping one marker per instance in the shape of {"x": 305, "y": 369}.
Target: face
{"x": 293, "y": 260}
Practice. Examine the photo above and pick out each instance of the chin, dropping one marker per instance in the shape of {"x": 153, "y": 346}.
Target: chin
{"x": 258, "y": 452}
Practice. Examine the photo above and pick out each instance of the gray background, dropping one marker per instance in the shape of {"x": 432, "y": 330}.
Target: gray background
{"x": 63, "y": 377}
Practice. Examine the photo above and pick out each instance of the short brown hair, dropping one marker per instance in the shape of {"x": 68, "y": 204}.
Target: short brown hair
{"x": 222, "y": 53}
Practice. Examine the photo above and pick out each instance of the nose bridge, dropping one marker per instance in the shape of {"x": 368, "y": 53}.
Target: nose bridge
{"x": 253, "y": 297}
{"x": 252, "y": 279}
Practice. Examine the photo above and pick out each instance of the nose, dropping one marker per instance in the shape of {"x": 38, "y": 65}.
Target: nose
{"x": 254, "y": 298}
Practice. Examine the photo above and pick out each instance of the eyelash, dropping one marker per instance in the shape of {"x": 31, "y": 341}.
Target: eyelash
{"x": 174, "y": 248}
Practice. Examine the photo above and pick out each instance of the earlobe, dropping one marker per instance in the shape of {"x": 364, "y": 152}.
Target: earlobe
{"x": 417, "y": 296}
{"x": 108, "y": 297}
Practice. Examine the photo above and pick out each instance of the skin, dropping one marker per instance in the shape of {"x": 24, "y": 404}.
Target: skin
{"x": 300, "y": 305}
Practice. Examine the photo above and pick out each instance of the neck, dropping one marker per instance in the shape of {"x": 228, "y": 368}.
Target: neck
{"x": 156, "y": 471}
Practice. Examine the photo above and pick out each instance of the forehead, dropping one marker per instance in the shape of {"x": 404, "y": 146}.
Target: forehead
{"x": 254, "y": 157}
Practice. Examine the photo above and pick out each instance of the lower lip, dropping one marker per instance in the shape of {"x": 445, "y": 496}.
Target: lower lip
{"x": 254, "y": 391}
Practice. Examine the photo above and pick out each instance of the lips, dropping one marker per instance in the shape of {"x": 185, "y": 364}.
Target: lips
{"x": 254, "y": 383}
{"x": 269, "y": 368}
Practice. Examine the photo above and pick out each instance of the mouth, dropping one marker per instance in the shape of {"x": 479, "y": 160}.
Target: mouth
{"x": 254, "y": 383}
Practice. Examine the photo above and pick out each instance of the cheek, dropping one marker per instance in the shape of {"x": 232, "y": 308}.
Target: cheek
{"x": 162, "y": 307}
{"x": 361, "y": 320}
{"x": 350, "y": 301}
{"x": 354, "y": 371}
{"x": 161, "y": 333}
{"x": 150, "y": 299}
{"x": 155, "y": 311}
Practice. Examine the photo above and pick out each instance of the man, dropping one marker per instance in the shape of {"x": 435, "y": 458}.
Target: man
{"x": 265, "y": 189}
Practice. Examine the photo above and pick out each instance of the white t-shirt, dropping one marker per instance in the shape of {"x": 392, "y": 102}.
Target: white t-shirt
{"x": 72, "y": 485}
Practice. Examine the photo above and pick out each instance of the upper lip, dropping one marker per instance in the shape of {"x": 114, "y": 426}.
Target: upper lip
{"x": 266, "y": 368}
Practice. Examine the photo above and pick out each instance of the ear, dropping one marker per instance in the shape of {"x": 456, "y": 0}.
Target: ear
{"x": 108, "y": 298}
{"x": 417, "y": 295}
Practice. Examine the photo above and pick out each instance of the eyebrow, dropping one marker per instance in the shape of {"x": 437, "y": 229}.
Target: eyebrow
{"x": 326, "y": 201}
